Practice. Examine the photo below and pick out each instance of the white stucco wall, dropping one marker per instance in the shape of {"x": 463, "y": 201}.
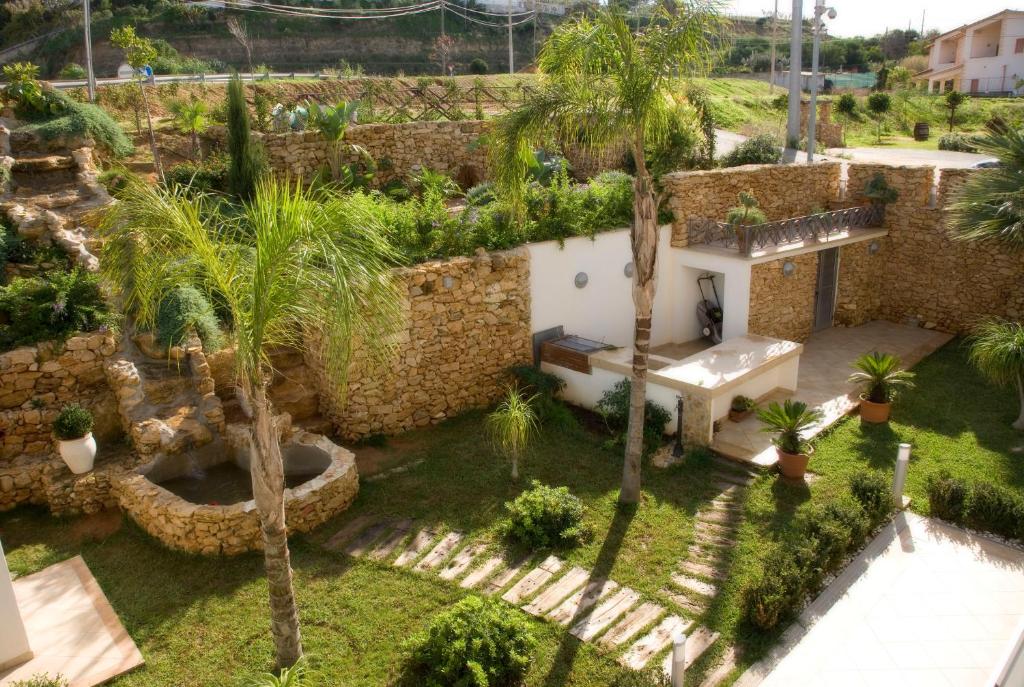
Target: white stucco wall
{"x": 14, "y": 647}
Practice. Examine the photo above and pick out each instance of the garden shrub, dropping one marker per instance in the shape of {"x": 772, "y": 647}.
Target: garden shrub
{"x": 80, "y": 119}
{"x": 52, "y": 306}
{"x": 544, "y": 516}
{"x": 544, "y": 388}
{"x": 183, "y": 309}
{"x": 961, "y": 143}
{"x": 947, "y": 497}
{"x": 776, "y": 594}
{"x": 206, "y": 175}
{"x": 72, "y": 70}
{"x": 757, "y": 150}
{"x": 614, "y": 408}
{"x": 981, "y": 505}
{"x": 73, "y": 422}
{"x": 476, "y": 643}
{"x": 834, "y": 527}
{"x": 873, "y": 490}
{"x": 478, "y": 66}
{"x": 846, "y": 104}
{"x": 42, "y": 680}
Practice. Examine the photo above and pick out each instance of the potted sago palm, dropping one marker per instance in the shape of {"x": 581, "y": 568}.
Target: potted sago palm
{"x": 880, "y": 377}
{"x": 73, "y": 429}
{"x": 744, "y": 215}
{"x": 787, "y": 421}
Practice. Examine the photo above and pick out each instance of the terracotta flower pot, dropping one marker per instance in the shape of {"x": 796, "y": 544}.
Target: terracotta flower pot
{"x": 792, "y": 465}
{"x": 874, "y": 413}
{"x": 739, "y": 415}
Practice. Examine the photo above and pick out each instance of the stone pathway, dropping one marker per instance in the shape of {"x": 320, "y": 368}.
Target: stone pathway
{"x": 600, "y": 611}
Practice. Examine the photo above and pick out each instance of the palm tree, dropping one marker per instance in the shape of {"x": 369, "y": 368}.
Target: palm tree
{"x": 997, "y": 350}
{"x": 512, "y": 426}
{"x": 190, "y": 116}
{"x": 880, "y": 375}
{"x": 990, "y": 206}
{"x": 787, "y": 421}
{"x": 600, "y": 83}
{"x": 292, "y": 268}
{"x": 332, "y": 121}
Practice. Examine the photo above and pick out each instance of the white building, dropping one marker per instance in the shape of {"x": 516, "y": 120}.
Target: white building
{"x": 984, "y": 57}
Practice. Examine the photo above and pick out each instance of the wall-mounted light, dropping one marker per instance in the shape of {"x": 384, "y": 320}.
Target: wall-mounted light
{"x": 581, "y": 280}
{"x": 628, "y": 270}
{"x": 788, "y": 268}
{"x": 447, "y": 281}
{"x": 874, "y": 247}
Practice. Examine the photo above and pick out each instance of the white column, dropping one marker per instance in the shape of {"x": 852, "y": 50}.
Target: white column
{"x": 14, "y": 648}
{"x": 795, "y": 65}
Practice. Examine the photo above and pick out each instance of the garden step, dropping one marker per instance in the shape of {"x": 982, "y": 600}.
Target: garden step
{"x": 482, "y": 573}
{"x": 533, "y": 580}
{"x": 501, "y": 580}
{"x": 713, "y": 539}
{"x": 702, "y": 569}
{"x": 361, "y": 544}
{"x": 440, "y": 552}
{"x": 351, "y": 529}
{"x": 724, "y": 669}
{"x": 715, "y": 528}
{"x": 694, "y": 585}
{"x": 635, "y": 621}
{"x": 654, "y": 641}
{"x": 604, "y": 615}
{"x": 389, "y": 543}
{"x": 47, "y": 163}
{"x": 462, "y": 561}
{"x": 720, "y": 517}
{"x": 733, "y": 478}
{"x": 696, "y": 644}
{"x": 420, "y": 542}
{"x": 561, "y": 588}
{"x": 579, "y": 605}
{"x": 691, "y": 604}
{"x": 726, "y": 503}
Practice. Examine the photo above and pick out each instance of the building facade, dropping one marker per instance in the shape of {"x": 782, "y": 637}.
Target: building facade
{"x": 986, "y": 57}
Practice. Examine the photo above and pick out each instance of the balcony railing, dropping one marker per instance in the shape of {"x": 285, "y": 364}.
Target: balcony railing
{"x": 817, "y": 227}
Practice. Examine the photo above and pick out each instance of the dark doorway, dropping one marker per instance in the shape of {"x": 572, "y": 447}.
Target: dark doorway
{"x": 825, "y": 294}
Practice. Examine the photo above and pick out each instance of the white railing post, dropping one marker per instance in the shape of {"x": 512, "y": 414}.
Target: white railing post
{"x": 678, "y": 660}
{"x": 899, "y": 478}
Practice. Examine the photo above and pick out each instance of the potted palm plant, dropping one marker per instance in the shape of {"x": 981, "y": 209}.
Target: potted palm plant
{"x": 741, "y": 408}
{"x": 746, "y": 214}
{"x": 787, "y": 421}
{"x": 73, "y": 429}
{"x": 512, "y": 426}
{"x": 880, "y": 377}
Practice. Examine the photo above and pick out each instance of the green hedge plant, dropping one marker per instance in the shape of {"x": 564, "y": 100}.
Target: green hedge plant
{"x": 757, "y": 150}
{"x": 980, "y": 505}
{"x": 544, "y": 517}
{"x": 476, "y": 643}
{"x": 51, "y": 307}
{"x": 185, "y": 309}
{"x": 614, "y": 408}
{"x": 73, "y": 422}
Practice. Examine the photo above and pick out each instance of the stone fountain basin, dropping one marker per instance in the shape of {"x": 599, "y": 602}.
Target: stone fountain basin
{"x": 232, "y": 529}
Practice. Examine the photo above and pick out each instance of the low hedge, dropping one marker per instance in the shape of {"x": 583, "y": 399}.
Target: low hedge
{"x": 544, "y": 516}
{"x": 825, "y": 534}
{"x": 979, "y": 505}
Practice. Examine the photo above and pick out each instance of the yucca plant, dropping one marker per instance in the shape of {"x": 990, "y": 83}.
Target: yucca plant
{"x": 191, "y": 117}
{"x": 997, "y": 350}
{"x": 512, "y": 426}
{"x": 787, "y": 421}
{"x": 990, "y": 206}
{"x": 747, "y": 212}
{"x": 880, "y": 376}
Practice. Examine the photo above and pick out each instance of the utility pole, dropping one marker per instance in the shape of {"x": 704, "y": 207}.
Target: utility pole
{"x": 771, "y": 73}
{"x": 922, "y": 23}
{"x": 812, "y": 113}
{"x": 795, "y": 65}
{"x": 511, "y": 54}
{"x": 90, "y": 76}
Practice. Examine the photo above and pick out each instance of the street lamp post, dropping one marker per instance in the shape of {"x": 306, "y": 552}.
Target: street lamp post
{"x": 795, "y": 64}
{"x": 812, "y": 112}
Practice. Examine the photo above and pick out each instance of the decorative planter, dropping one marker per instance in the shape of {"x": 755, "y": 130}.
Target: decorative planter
{"x": 874, "y": 413}
{"x": 739, "y": 415}
{"x": 792, "y": 465}
{"x": 79, "y": 454}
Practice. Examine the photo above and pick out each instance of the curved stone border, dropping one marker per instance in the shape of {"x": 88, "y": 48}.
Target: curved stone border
{"x": 234, "y": 529}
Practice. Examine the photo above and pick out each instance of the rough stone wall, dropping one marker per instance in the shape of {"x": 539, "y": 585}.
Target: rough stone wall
{"x": 399, "y": 149}
{"x": 860, "y": 291}
{"x": 781, "y": 190}
{"x": 782, "y": 306}
{"x": 826, "y": 131}
{"x": 37, "y": 381}
{"x": 467, "y": 322}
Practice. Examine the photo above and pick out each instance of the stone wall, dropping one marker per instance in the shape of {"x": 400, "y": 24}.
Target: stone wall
{"x": 780, "y": 306}
{"x": 467, "y": 322}
{"x": 782, "y": 191}
{"x": 400, "y": 150}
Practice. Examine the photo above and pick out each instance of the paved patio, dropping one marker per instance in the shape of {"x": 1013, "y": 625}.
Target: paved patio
{"x": 824, "y": 368}
{"x": 72, "y": 629}
{"x": 923, "y": 604}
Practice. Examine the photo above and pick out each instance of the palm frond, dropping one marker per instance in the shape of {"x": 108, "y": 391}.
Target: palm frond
{"x": 997, "y": 350}
{"x": 990, "y": 204}
{"x": 880, "y": 375}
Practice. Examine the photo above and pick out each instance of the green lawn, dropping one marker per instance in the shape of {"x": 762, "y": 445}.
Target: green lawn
{"x": 208, "y": 616}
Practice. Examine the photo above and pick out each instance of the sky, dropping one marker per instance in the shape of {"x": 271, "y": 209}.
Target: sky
{"x": 869, "y": 17}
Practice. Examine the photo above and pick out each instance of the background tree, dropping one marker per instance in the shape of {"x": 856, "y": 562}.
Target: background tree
{"x": 291, "y": 269}
{"x": 246, "y": 162}
{"x": 441, "y": 53}
{"x": 602, "y": 83}
{"x": 990, "y": 206}
{"x": 953, "y": 101}
{"x": 879, "y": 104}
{"x": 190, "y": 116}
{"x": 240, "y": 33}
{"x": 997, "y": 350}
{"x": 138, "y": 53}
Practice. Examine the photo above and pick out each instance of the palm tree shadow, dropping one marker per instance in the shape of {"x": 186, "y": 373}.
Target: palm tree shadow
{"x": 564, "y": 658}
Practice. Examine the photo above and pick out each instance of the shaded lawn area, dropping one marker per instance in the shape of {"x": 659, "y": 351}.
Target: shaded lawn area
{"x": 204, "y": 621}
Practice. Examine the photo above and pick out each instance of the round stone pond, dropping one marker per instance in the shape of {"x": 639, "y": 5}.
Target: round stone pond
{"x": 201, "y": 500}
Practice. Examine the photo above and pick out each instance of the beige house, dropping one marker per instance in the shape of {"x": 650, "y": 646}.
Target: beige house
{"x": 984, "y": 57}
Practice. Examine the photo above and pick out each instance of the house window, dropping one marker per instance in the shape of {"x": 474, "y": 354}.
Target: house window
{"x": 1018, "y": 47}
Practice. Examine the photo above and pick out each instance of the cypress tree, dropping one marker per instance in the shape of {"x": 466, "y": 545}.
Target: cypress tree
{"x": 246, "y": 162}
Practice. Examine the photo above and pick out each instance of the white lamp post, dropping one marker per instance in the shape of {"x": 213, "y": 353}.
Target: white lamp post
{"x": 812, "y": 113}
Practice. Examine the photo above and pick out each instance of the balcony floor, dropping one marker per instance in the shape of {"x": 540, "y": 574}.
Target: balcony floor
{"x": 824, "y": 368}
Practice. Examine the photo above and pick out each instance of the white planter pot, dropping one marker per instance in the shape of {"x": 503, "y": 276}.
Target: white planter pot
{"x": 79, "y": 454}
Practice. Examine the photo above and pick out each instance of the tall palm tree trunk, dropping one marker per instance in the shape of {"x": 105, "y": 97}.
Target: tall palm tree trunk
{"x": 644, "y": 241}
{"x": 268, "y": 490}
